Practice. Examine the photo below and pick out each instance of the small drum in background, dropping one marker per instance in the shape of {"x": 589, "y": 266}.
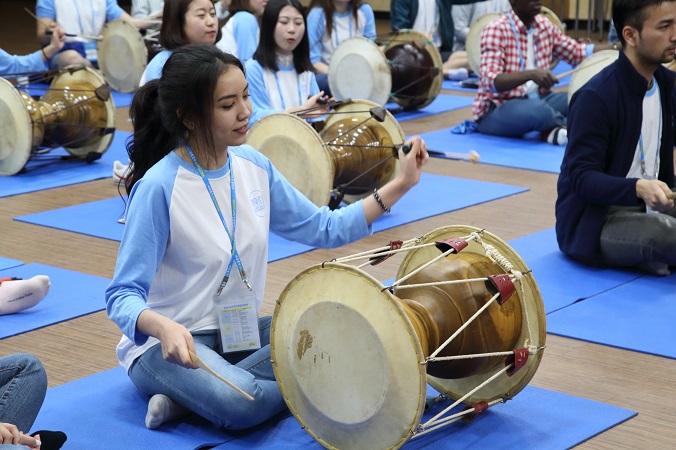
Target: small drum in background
{"x": 352, "y": 154}
{"x": 406, "y": 68}
{"x": 352, "y": 356}
{"x": 589, "y": 67}
{"x": 123, "y": 55}
{"x": 76, "y": 112}
{"x": 473, "y": 40}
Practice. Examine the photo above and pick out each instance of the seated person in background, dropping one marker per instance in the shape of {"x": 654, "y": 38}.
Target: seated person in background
{"x": 36, "y": 61}
{"x": 515, "y": 87}
{"x": 433, "y": 18}
{"x": 464, "y": 17}
{"x": 80, "y": 17}
{"x": 240, "y": 32}
{"x": 280, "y": 75}
{"x": 330, "y": 22}
{"x": 147, "y": 8}
{"x": 615, "y": 203}
{"x": 23, "y": 385}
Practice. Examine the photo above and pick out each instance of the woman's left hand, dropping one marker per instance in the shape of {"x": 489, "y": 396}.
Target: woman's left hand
{"x": 411, "y": 164}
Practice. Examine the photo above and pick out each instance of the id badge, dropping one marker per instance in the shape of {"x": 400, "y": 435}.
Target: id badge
{"x": 91, "y": 52}
{"x": 238, "y": 320}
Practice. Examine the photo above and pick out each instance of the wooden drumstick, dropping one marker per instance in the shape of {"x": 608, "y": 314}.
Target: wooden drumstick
{"x": 199, "y": 363}
{"x": 471, "y": 156}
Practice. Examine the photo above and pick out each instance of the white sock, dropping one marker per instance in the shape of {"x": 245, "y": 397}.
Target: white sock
{"x": 558, "y": 136}
{"x": 17, "y": 295}
{"x": 162, "y": 409}
{"x": 458, "y": 74}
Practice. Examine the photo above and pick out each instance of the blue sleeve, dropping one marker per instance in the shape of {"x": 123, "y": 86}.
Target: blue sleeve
{"x": 154, "y": 67}
{"x": 245, "y": 30}
{"x": 260, "y": 101}
{"x": 144, "y": 242}
{"x": 17, "y": 64}
{"x": 294, "y": 217}
{"x": 370, "y": 27}
{"x": 400, "y": 14}
{"x": 45, "y": 8}
{"x": 314, "y": 87}
{"x": 113, "y": 10}
{"x": 316, "y": 24}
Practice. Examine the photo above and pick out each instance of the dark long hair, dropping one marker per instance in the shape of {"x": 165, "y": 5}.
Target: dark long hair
{"x": 172, "y": 35}
{"x": 265, "y": 53}
{"x": 162, "y": 107}
{"x": 329, "y": 9}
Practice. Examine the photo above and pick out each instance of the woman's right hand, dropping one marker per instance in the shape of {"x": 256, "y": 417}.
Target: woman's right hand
{"x": 10, "y": 434}
{"x": 176, "y": 340}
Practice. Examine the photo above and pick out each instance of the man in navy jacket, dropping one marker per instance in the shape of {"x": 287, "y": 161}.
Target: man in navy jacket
{"x": 615, "y": 203}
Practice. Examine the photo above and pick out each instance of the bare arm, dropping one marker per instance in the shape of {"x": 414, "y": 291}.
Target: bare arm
{"x": 544, "y": 78}
{"x": 175, "y": 339}
{"x": 44, "y": 24}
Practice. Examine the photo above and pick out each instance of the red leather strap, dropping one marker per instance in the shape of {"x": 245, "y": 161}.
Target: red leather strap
{"x": 394, "y": 245}
{"x": 519, "y": 358}
{"x": 501, "y": 283}
{"x": 479, "y": 408}
{"x": 454, "y": 243}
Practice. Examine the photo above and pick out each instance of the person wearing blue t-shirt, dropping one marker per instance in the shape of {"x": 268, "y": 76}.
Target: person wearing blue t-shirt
{"x": 241, "y": 31}
{"x": 280, "y": 75}
{"x": 189, "y": 156}
{"x": 330, "y": 22}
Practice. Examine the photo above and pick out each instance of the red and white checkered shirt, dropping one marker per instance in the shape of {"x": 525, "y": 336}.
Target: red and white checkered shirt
{"x": 500, "y": 54}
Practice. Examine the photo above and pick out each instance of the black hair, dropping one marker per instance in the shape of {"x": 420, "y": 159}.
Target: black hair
{"x": 631, "y": 13}
{"x": 265, "y": 53}
{"x": 177, "y": 107}
{"x": 329, "y": 9}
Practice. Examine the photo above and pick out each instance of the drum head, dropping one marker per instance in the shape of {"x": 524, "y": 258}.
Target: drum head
{"x": 473, "y": 40}
{"x": 589, "y": 67}
{"x": 91, "y": 77}
{"x": 347, "y": 360}
{"x": 16, "y": 133}
{"x": 504, "y": 386}
{"x": 431, "y": 75}
{"x": 123, "y": 55}
{"x": 297, "y": 151}
{"x": 359, "y": 109}
{"x": 359, "y": 69}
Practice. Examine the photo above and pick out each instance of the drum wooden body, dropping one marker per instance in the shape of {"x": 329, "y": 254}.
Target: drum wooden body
{"x": 352, "y": 144}
{"x": 473, "y": 41}
{"x": 350, "y": 356}
{"x": 123, "y": 55}
{"x": 405, "y": 68}
{"x": 76, "y": 112}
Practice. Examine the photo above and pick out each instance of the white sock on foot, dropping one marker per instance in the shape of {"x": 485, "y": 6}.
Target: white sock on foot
{"x": 17, "y": 295}
{"x": 162, "y": 409}
{"x": 558, "y": 136}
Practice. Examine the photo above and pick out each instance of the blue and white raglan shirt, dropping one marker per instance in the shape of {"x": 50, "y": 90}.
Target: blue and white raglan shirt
{"x": 322, "y": 45}
{"x": 175, "y": 250}
{"x": 240, "y": 35}
{"x": 273, "y": 92}
{"x": 79, "y": 16}
{"x": 21, "y": 63}
{"x": 154, "y": 68}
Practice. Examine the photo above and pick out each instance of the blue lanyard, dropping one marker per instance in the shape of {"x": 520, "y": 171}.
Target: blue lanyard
{"x": 522, "y": 61}
{"x": 657, "y": 154}
{"x": 79, "y": 18}
{"x": 281, "y": 93}
{"x": 233, "y": 201}
{"x": 349, "y": 28}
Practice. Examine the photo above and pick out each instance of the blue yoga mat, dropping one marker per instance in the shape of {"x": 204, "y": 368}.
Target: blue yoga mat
{"x": 519, "y": 153}
{"x": 99, "y": 218}
{"x": 7, "y": 263}
{"x": 561, "y": 280}
{"x": 106, "y": 410}
{"x": 72, "y": 294}
{"x": 120, "y": 99}
{"x": 442, "y": 103}
{"x": 560, "y": 68}
{"x": 65, "y": 173}
{"x": 637, "y": 316}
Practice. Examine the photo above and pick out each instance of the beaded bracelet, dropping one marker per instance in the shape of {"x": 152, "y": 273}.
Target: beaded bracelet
{"x": 384, "y": 207}
{"x": 44, "y": 54}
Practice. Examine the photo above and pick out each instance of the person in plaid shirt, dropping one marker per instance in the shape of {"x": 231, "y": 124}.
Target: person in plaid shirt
{"x": 515, "y": 95}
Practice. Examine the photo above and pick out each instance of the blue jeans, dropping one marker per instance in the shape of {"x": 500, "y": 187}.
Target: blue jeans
{"x": 23, "y": 385}
{"x": 206, "y": 395}
{"x": 519, "y": 116}
{"x": 631, "y": 237}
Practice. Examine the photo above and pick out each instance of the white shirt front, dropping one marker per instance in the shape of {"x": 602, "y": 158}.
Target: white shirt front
{"x": 651, "y": 138}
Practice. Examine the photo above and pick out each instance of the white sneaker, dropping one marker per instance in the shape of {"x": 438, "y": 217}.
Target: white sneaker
{"x": 120, "y": 172}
